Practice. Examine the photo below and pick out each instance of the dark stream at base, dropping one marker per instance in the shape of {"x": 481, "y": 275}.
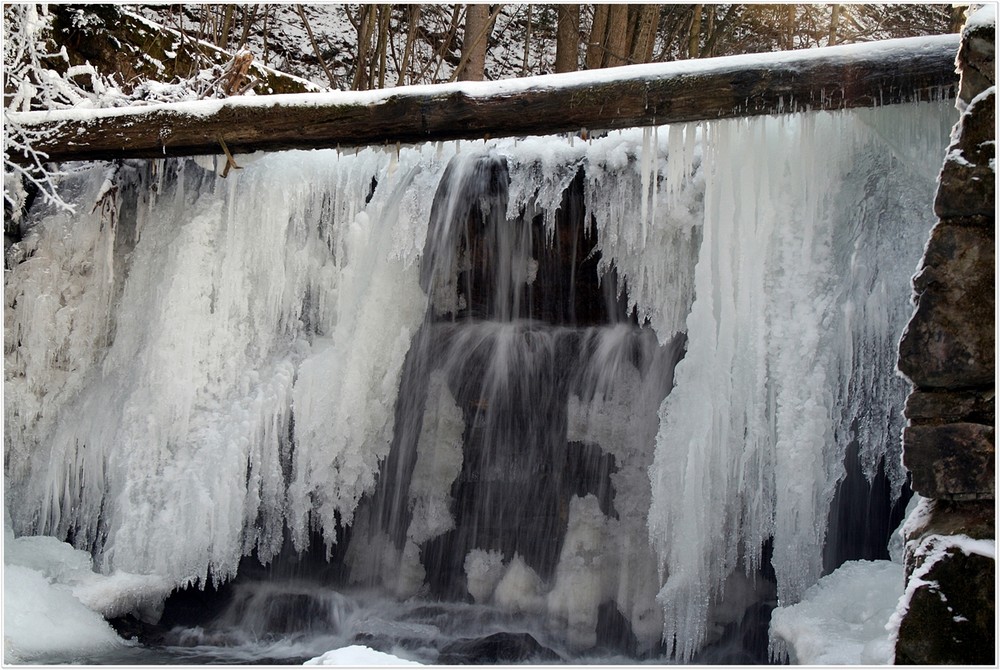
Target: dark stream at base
{"x": 497, "y": 445}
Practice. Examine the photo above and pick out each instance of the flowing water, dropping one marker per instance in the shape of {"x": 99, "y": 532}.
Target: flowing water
{"x": 594, "y": 397}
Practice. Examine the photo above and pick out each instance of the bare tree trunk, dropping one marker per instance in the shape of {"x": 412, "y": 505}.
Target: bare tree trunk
{"x": 478, "y": 22}
{"x": 411, "y": 36}
{"x": 366, "y": 29}
{"x": 957, "y": 18}
{"x": 527, "y": 45}
{"x": 385, "y": 14}
{"x": 315, "y": 46}
{"x": 568, "y": 38}
{"x": 790, "y": 27}
{"x": 456, "y": 13}
{"x": 616, "y": 44}
{"x": 647, "y": 22}
{"x": 227, "y": 24}
{"x": 598, "y": 33}
{"x": 249, "y": 18}
{"x": 834, "y": 24}
{"x": 722, "y": 28}
{"x": 694, "y": 35}
{"x": 709, "y": 29}
{"x": 267, "y": 14}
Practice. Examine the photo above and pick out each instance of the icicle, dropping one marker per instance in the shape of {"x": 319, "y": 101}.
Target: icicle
{"x": 752, "y": 439}
{"x": 655, "y": 167}
{"x": 645, "y": 167}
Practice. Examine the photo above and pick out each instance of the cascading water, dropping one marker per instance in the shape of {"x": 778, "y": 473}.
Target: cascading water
{"x": 599, "y": 392}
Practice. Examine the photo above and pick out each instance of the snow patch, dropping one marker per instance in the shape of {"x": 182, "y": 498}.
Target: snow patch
{"x": 841, "y": 619}
{"x": 359, "y": 656}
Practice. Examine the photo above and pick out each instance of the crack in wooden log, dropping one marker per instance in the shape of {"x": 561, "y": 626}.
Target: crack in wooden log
{"x": 891, "y": 72}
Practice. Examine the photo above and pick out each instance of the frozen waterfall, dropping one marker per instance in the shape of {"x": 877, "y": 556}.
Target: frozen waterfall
{"x": 598, "y": 383}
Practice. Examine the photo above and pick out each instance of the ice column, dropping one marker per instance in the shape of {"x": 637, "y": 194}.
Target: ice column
{"x": 790, "y": 339}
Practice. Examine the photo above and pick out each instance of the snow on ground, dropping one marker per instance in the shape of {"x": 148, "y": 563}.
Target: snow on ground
{"x": 841, "y": 619}
{"x": 357, "y": 655}
{"x": 55, "y": 604}
{"x": 41, "y": 615}
{"x": 43, "y": 618}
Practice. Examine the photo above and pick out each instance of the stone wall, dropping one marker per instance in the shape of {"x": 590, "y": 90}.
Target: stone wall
{"x": 947, "y": 352}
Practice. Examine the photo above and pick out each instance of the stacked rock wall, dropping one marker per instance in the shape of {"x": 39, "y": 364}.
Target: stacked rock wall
{"x": 947, "y": 352}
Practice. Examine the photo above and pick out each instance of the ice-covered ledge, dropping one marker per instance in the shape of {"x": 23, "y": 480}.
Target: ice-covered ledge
{"x": 859, "y": 75}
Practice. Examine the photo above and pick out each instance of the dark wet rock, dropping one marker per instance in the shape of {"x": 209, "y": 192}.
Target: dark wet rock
{"x": 967, "y": 185}
{"x": 951, "y": 617}
{"x": 129, "y": 627}
{"x": 977, "y": 60}
{"x": 953, "y": 460}
{"x": 939, "y": 407}
{"x": 614, "y": 630}
{"x": 497, "y": 648}
{"x": 949, "y": 342}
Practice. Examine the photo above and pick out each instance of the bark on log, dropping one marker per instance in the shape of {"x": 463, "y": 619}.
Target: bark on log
{"x": 889, "y": 72}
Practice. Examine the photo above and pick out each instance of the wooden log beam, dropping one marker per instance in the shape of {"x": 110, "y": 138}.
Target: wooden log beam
{"x": 865, "y": 75}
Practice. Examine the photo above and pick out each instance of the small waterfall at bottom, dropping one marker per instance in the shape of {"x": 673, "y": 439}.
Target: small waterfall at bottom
{"x": 545, "y": 400}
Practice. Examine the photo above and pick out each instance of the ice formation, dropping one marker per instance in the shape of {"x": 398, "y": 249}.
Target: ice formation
{"x": 55, "y": 604}
{"x": 152, "y": 371}
{"x": 196, "y": 366}
{"x": 791, "y": 346}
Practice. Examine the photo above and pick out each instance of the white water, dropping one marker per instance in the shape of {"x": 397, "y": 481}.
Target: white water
{"x": 153, "y": 375}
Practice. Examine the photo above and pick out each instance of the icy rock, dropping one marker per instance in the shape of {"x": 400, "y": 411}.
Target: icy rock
{"x": 57, "y": 561}
{"x": 977, "y": 53}
{"x": 579, "y": 588}
{"x": 54, "y": 601}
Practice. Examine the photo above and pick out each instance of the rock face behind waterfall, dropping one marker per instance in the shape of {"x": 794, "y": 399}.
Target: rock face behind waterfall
{"x": 948, "y": 613}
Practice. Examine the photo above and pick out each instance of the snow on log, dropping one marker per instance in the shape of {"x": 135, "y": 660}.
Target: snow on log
{"x": 860, "y": 75}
